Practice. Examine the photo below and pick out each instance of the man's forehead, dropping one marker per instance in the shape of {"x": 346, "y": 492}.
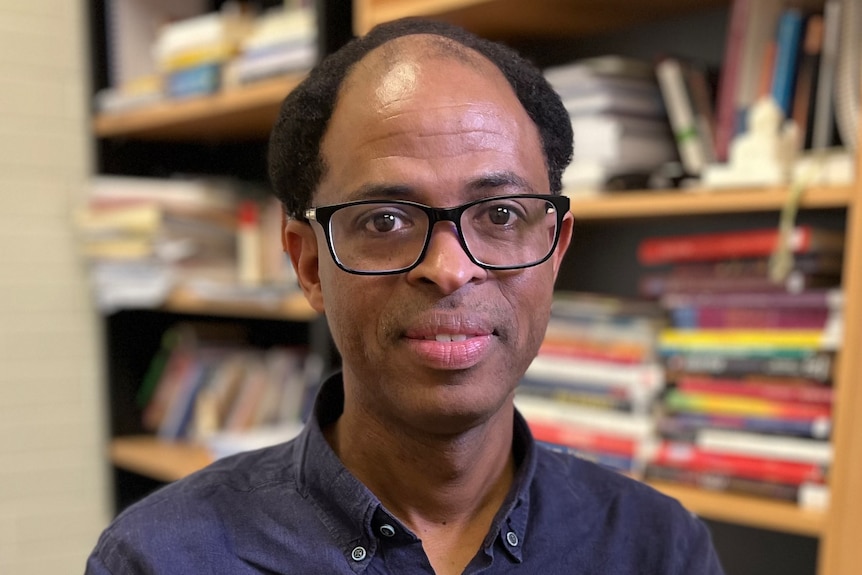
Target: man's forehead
{"x": 405, "y": 53}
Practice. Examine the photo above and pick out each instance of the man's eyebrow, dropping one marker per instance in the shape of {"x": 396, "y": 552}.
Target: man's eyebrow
{"x": 501, "y": 180}
{"x": 479, "y": 186}
{"x": 381, "y": 192}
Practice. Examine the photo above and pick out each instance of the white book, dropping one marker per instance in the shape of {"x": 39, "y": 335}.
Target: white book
{"x": 681, "y": 115}
{"x": 535, "y": 408}
{"x": 767, "y": 446}
{"x": 642, "y": 378}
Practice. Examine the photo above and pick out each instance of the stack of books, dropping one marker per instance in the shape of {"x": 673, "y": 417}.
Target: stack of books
{"x": 621, "y": 132}
{"x": 198, "y": 386}
{"x": 281, "y": 41}
{"x": 592, "y": 387}
{"x": 144, "y": 237}
{"x": 748, "y": 359}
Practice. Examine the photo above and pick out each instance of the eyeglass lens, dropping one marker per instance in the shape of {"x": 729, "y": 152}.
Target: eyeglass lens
{"x": 498, "y": 232}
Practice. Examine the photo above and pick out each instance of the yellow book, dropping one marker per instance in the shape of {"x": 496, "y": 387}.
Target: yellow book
{"x": 750, "y": 338}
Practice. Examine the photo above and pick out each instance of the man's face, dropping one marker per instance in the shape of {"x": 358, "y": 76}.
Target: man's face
{"x": 440, "y": 347}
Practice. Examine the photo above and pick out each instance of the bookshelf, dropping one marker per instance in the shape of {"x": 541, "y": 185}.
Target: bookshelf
{"x": 247, "y": 112}
{"x": 171, "y": 461}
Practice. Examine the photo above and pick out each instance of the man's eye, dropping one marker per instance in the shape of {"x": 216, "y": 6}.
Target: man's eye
{"x": 383, "y": 222}
{"x": 500, "y": 215}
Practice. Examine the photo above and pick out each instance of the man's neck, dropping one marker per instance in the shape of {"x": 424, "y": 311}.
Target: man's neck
{"x": 446, "y": 488}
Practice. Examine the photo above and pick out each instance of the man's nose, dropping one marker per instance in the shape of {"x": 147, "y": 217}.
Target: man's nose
{"x": 446, "y": 264}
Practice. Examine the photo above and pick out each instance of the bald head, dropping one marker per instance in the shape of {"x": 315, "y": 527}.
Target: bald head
{"x": 391, "y": 51}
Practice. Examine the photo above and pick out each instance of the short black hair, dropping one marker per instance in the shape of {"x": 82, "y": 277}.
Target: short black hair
{"x": 295, "y": 162}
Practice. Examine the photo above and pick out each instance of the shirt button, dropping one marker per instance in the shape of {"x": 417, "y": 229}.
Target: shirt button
{"x": 512, "y": 538}
{"x": 358, "y": 553}
{"x": 387, "y": 530}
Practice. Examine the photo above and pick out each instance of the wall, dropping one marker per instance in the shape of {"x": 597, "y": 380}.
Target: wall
{"x": 53, "y": 483}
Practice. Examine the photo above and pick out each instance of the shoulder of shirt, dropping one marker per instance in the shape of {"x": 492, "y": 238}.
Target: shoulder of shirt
{"x": 590, "y": 480}
{"x": 243, "y": 472}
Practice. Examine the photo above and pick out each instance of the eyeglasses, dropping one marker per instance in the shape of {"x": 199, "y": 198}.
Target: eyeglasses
{"x": 384, "y": 237}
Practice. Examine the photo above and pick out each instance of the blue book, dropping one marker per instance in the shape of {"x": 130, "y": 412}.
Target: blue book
{"x": 788, "y": 44}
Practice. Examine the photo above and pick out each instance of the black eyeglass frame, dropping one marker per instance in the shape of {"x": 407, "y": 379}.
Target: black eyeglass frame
{"x": 323, "y": 214}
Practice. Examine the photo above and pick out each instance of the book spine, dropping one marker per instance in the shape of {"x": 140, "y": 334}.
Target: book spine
{"x": 687, "y": 456}
{"x": 771, "y": 447}
{"x": 671, "y": 338}
{"x": 582, "y": 438}
{"x": 687, "y": 424}
{"x": 831, "y": 298}
{"x": 635, "y": 378}
{"x": 658, "y": 285}
{"x": 822, "y": 129}
{"x": 811, "y": 393}
{"x": 669, "y": 73}
{"x": 806, "y": 81}
{"x": 740, "y": 406}
{"x": 605, "y": 398}
{"x": 790, "y": 25}
{"x": 723, "y": 482}
{"x": 748, "y": 318}
{"x": 737, "y": 244}
{"x": 815, "y": 366}
{"x": 729, "y": 79}
{"x": 614, "y": 462}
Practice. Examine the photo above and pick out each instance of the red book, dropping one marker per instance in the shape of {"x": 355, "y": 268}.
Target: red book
{"x": 736, "y": 244}
{"x": 729, "y": 80}
{"x": 688, "y": 456}
{"x": 582, "y": 438}
{"x": 763, "y": 388}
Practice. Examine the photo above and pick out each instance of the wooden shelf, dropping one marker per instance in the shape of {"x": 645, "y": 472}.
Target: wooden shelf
{"x": 242, "y": 113}
{"x": 292, "y": 308}
{"x": 512, "y": 19}
{"x": 160, "y": 460}
{"x": 751, "y": 511}
{"x": 667, "y": 203}
{"x": 166, "y": 461}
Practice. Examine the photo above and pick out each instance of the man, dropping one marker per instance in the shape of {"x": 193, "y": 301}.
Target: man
{"x": 420, "y": 168}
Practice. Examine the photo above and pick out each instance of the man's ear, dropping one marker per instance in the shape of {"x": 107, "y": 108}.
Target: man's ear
{"x": 300, "y": 242}
{"x": 566, "y": 231}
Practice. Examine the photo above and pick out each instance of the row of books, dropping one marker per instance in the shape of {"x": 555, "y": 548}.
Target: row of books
{"x": 198, "y": 387}
{"x": 144, "y": 237}
{"x": 722, "y": 382}
{"x": 748, "y": 354}
{"x": 619, "y": 122}
{"x": 774, "y": 97}
{"x": 204, "y": 53}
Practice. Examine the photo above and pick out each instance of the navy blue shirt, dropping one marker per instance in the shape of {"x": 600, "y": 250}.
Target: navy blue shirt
{"x": 294, "y": 508}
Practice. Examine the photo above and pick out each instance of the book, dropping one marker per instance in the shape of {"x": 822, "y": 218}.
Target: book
{"x": 582, "y": 438}
{"x": 613, "y": 422}
{"x": 691, "y": 142}
{"x": 583, "y": 395}
{"x": 817, "y": 366}
{"x": 743, "y": 406}
{"x": 791, "y": 22}
{"x": 656, "y": 285}
{"x": 768, "y": 446}
{"x": 831, "y": 299}
{"x": 725, "y": 108}
{"x": 735, "y": 244}
{"x": 688, "y": 456}
{"x": 686, "y": 425}
{"x": 707, "y": 317}
{"x": 755, "y": 385}
{"x": 638, "y": 379}
{"x": 725, "y": 483}
{"x": 805, "y": 95}
{"x": 823, "y": 131}
{"x": 614, "y": 462}
{"x": 744, "y": 339}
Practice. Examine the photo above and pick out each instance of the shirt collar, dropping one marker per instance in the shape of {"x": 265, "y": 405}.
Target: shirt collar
{"x": 355, "y": 516}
